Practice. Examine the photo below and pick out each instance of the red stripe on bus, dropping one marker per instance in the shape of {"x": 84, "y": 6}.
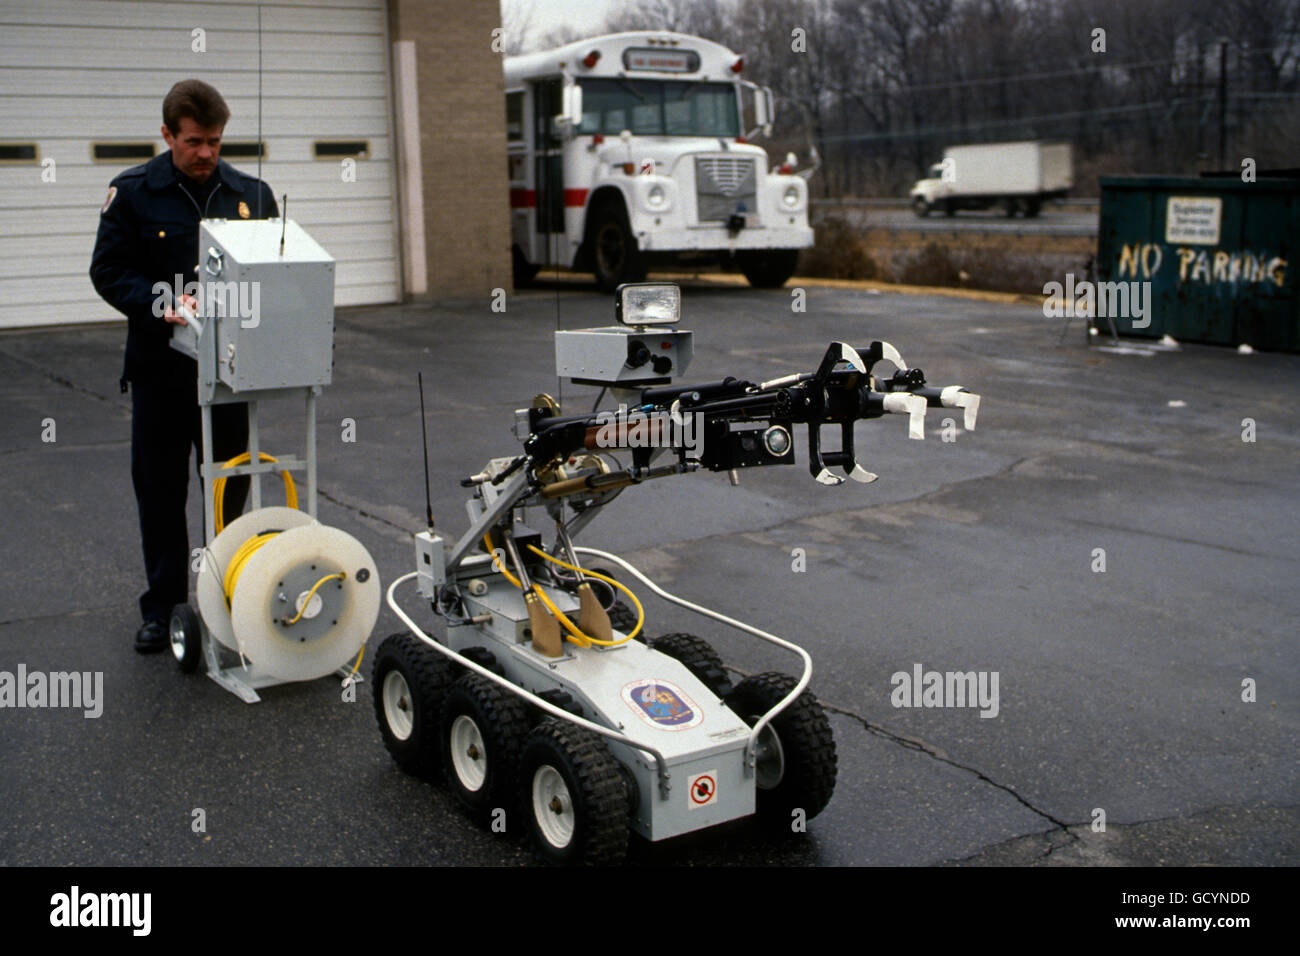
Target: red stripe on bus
{"x": 527, "y": 198}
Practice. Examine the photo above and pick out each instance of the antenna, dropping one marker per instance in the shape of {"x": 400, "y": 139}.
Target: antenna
{"x": 424, "y": 437}
{"x": 284, "y": 221}
{"x": 261, "y": 147}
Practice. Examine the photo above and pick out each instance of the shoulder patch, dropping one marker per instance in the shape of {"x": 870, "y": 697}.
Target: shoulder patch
{"x": 112, "y": 194}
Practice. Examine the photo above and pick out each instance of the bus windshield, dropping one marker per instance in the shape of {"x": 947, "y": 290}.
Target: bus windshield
{"x": 658, "y": 108}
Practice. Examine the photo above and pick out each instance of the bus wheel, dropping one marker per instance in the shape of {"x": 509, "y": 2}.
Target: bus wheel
{"x": 614, "y": 253}
{"x": 768, "y": 268}
{"x": 523, "y": 271}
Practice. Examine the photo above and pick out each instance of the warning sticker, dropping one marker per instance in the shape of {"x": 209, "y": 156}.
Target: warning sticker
{"x": 702, "y": 789}
{"x": 662, "y": 704}
{"x": 1194, "y": 220}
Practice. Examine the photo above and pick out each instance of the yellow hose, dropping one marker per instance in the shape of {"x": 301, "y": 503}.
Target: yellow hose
{"x": 338, "y": 575}
{"x": 236, "y": 567}
{"x": 574, "y": 635}
{"x": 219, "y": 488}
{"x": 640, "y": 611}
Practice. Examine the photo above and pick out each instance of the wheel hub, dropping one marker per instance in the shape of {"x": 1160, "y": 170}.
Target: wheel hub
{"x": 769, "y": 759}
{"x": 553, "y": 807}
{"x": 398, "y": 711}
{"x": 468, "y": 753}
{"x": 609, "y": 246}
{"x": 176, "y": 632}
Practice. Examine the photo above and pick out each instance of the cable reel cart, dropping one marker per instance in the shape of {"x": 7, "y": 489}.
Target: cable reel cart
{"x": 281, "y": 597}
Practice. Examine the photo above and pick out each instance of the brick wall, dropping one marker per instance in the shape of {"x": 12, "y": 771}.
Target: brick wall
{"x": 462, "y": 143}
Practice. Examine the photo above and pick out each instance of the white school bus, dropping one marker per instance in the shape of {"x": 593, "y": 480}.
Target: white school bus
{"x": 627, "y": 151}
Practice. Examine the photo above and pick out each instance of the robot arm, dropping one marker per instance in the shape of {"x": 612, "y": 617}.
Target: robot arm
{"x": 742, "y": 424}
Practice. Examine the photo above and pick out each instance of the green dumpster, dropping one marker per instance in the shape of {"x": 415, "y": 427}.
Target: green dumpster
{"x": 1206, "y": 259}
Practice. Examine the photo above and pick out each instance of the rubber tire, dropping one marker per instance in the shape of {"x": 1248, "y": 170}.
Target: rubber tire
{"x": 522, "y": 272}
{"x": 596, "y": 784}
{"x": 810, "y": 764}
{"x": 428, "y": 675}
{"x": 192, "y": 634}
{"x": 610, "y": 232}
{"x": 1032, "y": 208}
{"x": 699, "y": 658}
{"x": 768, "y": 268}
{"x": 949, "y": 208}
{"x": 502, "y": 720}
{"x": 623, "y": 618}
{"x": 480, "y": 656}
{"x": 1009, "y": 207}
{"x": 920, "y": 207}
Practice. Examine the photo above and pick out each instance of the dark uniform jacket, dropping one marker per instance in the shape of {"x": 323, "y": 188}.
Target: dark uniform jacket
{"x": 149, "y": 233}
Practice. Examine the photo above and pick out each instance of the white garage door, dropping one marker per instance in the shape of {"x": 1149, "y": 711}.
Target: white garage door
{"x": 78, "y": 76}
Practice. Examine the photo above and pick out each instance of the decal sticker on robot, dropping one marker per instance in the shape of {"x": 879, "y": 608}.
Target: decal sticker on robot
{"x": 702, "y": 790}
{"x": 662, "y": 704}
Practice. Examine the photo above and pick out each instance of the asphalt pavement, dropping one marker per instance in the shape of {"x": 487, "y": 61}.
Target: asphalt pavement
{"x": 1120, "y": 691}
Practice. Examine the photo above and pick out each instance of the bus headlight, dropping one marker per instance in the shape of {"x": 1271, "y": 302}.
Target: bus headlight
{"x": 655, "y": 195}
{"x": 791, "y": 198}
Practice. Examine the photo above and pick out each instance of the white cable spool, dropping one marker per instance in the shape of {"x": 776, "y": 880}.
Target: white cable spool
{"x": 212, "y": 570}
{"x": 273, "y": 586}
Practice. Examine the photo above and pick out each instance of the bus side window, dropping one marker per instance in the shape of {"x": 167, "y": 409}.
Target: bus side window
{"x": 546, "y": 103}
{"x": 515, "y": 116}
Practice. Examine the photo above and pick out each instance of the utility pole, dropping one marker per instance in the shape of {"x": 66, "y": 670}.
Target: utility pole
{"x": 1223, "y": 105}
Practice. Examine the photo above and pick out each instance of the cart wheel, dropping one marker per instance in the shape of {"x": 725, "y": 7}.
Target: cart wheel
{"x": 575, "y": 795}
{"x": 699, "y": 657}
{"x": 409, "y": 681}
{"x": 186, "y": 638}
{"x": 795, "y": 762}
{"x": 483, "y": 727}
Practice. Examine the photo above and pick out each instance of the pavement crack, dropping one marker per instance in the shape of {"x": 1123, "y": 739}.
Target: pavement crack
{"x": 361, "y": 512}
{"x": 920, "y": 746}
{"x": 60, "y": 380}
{"x": 934, "y": 753}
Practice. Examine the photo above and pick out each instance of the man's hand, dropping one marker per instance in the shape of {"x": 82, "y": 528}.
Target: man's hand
{"x": 189, "y": 303}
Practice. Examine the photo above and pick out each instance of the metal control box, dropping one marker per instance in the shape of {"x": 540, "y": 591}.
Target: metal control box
{"x": 623, "y": 356}
{"x": 269, "y": 288}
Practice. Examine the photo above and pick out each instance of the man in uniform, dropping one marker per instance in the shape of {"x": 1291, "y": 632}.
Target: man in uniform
{"x": 148, "y": 236}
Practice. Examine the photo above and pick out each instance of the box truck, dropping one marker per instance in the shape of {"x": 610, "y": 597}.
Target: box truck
{"x": 1018, "y": 177}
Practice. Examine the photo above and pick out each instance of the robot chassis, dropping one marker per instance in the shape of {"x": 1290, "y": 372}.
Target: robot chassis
{"x": 588, "y": 729}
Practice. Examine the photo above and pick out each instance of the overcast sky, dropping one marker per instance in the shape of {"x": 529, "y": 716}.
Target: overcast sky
{"x": 549, "y": 14}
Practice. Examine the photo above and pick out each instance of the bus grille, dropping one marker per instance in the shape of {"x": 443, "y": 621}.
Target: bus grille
{"x": 724, "y": 186}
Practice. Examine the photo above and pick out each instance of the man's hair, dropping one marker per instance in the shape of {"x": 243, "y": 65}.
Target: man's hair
{"x": 197, "y": 100}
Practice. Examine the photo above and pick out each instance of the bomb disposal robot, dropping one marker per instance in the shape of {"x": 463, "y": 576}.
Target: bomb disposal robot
{"x": 543, "y": 697}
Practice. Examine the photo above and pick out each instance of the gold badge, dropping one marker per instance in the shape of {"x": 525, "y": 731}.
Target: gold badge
{"x": 112, "y": 194}
{"x": 243, "y": 210}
